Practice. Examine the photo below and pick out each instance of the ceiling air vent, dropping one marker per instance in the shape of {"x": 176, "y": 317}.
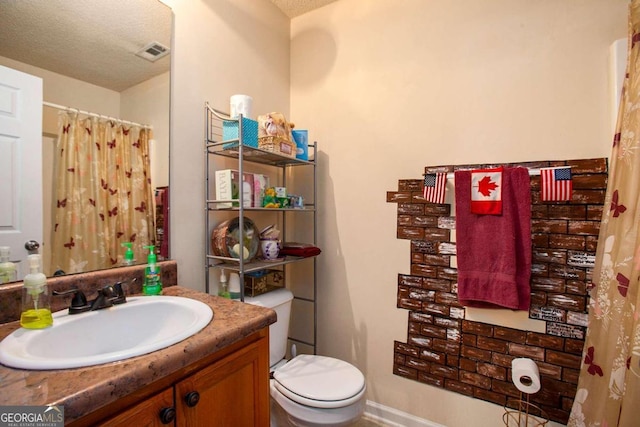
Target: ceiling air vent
{"x": 153, "y": 51}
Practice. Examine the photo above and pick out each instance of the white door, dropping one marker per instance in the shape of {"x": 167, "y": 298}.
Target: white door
{"x": 20, "y": 163}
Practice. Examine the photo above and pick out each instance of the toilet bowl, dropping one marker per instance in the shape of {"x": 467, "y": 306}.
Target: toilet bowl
{"x": 308, "y": 390}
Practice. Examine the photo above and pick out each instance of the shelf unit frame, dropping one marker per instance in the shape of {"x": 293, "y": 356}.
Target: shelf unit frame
{"x": 215, "y": 145}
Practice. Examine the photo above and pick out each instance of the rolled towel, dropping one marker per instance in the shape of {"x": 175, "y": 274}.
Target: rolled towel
{"x": 299, "y": 249}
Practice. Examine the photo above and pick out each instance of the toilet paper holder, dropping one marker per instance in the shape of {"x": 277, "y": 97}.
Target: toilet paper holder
{"x": 521, "y": 413}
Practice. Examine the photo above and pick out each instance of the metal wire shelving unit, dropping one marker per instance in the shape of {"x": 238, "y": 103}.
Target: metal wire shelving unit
{"x": 214, "y": 145}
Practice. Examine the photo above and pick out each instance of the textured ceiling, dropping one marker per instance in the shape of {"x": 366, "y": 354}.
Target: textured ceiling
{"x": 90, "y": 40}
{"x": 293, "y": 8}
{"x": 96, "y": 40}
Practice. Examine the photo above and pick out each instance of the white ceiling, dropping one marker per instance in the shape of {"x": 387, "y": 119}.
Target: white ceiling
{"x": 293, "y": 8}
{"x": 89, "y": 40}
{"x": 96, "y": 40}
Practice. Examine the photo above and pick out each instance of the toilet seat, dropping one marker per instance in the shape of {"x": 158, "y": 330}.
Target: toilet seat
{"x": 320, "y": 381}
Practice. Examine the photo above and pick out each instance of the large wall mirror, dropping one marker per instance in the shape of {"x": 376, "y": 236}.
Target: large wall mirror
{"x": 103, "y": 59}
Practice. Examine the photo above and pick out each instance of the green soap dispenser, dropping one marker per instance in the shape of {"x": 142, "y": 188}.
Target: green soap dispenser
{"x": 8, "y": 272}
{"x": 36, "y": 305}
{"x": 152, "y": 284}
{"x": 128, "y": 254}
{"x": 223, "y": 291}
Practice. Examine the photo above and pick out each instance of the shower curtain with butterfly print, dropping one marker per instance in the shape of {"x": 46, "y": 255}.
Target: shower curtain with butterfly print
{"x": 103, "y": 194}
{"x": 609, "y": 384}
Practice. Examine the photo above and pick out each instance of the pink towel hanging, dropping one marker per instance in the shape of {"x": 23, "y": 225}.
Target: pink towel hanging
{"x": 494, "y": 251}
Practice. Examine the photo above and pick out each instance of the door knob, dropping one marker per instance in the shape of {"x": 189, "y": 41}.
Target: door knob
{"x": 31, "y": 245}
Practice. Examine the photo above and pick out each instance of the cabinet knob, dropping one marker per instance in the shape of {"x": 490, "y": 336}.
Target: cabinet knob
{"x": 167, "y": 415}
{"x": 192, "y": 398}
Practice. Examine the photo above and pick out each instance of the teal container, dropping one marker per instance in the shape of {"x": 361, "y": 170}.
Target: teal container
{"x": 301, "y": 137}
{"x": 249, "y": 132}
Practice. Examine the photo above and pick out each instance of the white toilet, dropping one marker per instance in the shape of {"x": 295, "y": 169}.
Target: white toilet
{"x": 308, "y": 390}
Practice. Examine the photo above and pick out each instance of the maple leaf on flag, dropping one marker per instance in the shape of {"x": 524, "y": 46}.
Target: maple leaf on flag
{"x": 486, "y": 186}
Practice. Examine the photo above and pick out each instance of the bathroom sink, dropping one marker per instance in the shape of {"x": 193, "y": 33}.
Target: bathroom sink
{"x": 140, "y": 326}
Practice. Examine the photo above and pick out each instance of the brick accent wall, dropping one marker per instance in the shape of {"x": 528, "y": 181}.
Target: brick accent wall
{"x": 445, "y": 350}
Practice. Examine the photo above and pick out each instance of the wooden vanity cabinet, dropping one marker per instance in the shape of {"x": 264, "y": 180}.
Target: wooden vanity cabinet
{"x": 231, "y": 393}
{"x": 232, "y": 390}
{"x": 146, "y": 413}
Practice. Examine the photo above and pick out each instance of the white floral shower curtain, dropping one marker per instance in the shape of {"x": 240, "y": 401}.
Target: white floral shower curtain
{"x": 103, "y": 194}
{"x": 609, "y": 386}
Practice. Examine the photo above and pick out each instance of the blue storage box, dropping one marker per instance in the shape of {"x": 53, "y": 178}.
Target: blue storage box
{"x": 249, "y": 132}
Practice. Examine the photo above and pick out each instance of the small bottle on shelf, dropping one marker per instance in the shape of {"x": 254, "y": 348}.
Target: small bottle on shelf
{"x": 234, "y": 286}
{"x": 223, "y": 291}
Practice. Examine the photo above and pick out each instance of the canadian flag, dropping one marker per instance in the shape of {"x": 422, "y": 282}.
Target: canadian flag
{"x": 486, "y": 191}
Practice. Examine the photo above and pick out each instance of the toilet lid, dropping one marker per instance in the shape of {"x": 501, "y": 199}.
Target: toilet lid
{"x": 320, "y": 381}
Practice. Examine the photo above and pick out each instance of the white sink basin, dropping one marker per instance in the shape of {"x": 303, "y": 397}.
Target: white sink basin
{"x": 140, "y": 326}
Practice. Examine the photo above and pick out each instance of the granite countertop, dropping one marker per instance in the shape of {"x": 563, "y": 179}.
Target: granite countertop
{"x": 84, "y": 390}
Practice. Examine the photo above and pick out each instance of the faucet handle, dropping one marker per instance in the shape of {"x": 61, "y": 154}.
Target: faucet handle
{"x": 104, "y": 298}
{"x": 79, "y": 301}
{"x": 118, "y": 288}
{"x": 120, "y": 296}
{"x": 107, "y": 291}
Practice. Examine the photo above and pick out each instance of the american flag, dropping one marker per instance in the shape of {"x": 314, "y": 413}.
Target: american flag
{"x": 434, "y": 187}
{"x": 556, "y": 183}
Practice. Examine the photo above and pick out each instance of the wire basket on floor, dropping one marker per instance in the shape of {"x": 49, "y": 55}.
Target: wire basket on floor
{"x": 521, "y": 413}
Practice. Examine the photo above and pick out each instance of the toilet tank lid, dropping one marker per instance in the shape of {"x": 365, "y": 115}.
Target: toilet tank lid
{"x": 271, "y": 299}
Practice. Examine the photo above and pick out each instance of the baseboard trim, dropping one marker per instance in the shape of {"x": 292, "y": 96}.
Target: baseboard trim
{"x": 394, "y": 418}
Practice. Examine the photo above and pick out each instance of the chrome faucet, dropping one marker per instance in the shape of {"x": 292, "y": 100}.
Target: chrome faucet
{"x": 107, "y": 297}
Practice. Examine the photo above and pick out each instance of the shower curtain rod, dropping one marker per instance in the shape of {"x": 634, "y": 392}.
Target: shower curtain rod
{"x": 100, "y": 116}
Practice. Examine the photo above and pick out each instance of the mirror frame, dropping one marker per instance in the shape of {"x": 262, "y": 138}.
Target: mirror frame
{"x": 101, "y": 98}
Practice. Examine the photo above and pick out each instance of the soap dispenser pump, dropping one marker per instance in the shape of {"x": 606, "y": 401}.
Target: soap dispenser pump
{"x": 128, "y": 254}
{"x": 36, "y": 304}
{"x": 152, "y": 284}
{"x": 7, "y": 268}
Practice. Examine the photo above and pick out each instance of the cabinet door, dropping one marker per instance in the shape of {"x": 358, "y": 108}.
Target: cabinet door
{"x": 233, "y": 392}
{"x": 146, "y": 413}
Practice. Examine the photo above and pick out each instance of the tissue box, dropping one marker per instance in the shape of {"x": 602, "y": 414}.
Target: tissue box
{"x": 301, "y": 137}
{"x": 259, "y": 282}
{"x": 260, "y": 183}
{"x": 249, "y": 132}
{"x": 228, "y": 187}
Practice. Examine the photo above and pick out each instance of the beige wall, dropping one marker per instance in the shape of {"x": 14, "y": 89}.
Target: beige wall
{"x": 387, "y": 87}
{"x": 63, "y": 90}
{"x": 148, "y": 102}
{"x": 220, "y": 48}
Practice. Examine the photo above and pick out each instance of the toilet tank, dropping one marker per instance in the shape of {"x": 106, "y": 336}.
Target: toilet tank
{"x": 279, "y": 301}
